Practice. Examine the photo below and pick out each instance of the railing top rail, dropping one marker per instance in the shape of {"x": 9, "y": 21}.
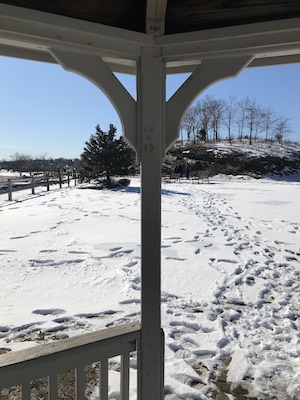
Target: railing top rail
{"x": 123, "y": 333}
{"x": 22, "y": 180}
{"x": 16, "y": 179}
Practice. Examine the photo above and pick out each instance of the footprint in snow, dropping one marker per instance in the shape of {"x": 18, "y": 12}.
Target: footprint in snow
{"x": 184, "y": 324}
{"x": 19, "y": 237}
{"x": 49, "y": 311}
{"x": 25, "y": 327}
{"x": 101, "y": 314}
{"x": 130, "y": 301}
{"x": 130, "y": 265}
{"x": 135, "y": 287}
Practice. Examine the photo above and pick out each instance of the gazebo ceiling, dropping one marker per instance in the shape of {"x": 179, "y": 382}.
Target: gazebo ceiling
{"x": 179, "y": 15}
{"x": 186, "y": 31}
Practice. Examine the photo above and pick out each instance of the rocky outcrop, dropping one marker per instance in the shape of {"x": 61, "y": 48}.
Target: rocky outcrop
{"x": 235, "y": 160}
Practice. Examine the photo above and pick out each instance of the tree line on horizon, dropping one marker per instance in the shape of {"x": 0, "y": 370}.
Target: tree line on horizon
{"x": 105, "y": 155}
{"x": 211, "y": 119}
{"x": 24, "y": 163}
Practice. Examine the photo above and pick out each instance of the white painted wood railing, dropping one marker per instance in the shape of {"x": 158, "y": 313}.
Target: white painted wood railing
{"x": 10, "y": 186}
{"x": 51, "y": 359}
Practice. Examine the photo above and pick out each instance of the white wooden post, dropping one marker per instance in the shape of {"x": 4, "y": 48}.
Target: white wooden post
{"x": 124, "y": 383}
{"x": 26, "y": 391}
{"x": 79, "y": 382}
{"x": 144, "y": 128}
{"x": 53, "y": 386}
{"x": 151, "y": 119}
{"x": 103, "y": 380}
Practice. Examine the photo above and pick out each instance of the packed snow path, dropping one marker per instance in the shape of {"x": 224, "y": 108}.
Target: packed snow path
{"x": 70, "y": 263}
{"x": 250, "y": 241}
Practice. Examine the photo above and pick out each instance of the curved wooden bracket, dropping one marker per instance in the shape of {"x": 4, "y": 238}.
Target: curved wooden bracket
{"x": 208, "y": 73}
{"x": 94, "y": 69}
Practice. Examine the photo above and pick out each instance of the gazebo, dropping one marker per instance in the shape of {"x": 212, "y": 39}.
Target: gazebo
{"x": 210, "y": 40}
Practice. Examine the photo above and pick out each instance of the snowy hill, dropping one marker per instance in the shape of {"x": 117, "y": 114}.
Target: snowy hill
{"x": 238, "y": 158}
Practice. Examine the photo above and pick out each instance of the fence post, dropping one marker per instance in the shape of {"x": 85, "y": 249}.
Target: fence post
{"x": 47, "y": 179}
{"x": 32, "y": 184}
{"x": 68, "y": 179}
{"x": 59, "y": 177}
{"x": 75, "y": 183}
{"x": 9, "y": 189}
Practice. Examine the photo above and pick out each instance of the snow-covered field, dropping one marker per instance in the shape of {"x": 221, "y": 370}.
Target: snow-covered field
{"x": 70, "y": 263}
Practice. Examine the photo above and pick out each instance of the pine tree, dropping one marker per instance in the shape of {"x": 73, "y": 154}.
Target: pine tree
{"x": 103, "y": 153}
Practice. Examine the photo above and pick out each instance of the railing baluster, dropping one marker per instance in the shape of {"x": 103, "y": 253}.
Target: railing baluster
{"x": 26, "y": 390}
{"x": 22, "y": 367}
{"x": 103, "y": 380}
{"x": 53, "y": 387}
{"x": 79, "y": 383}
{"x": 124, "y": 389}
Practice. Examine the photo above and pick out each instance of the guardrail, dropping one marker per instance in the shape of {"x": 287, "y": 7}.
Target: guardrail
{"x": 25, "y": 367}
{"x": 11, "y": 185}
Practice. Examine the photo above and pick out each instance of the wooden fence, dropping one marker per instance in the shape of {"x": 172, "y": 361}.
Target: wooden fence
{"x": 195, "y": 176}
{"x": 34, "y": 181}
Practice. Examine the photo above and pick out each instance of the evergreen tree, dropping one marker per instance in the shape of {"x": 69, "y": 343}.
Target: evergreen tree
{"x": 103, "y": 153}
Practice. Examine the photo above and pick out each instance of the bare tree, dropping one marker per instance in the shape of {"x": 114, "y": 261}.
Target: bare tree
{"x": 42, "y": 162}
{"x": 217, "y": 113}
{"x": 254, "y": 119}
{"x": 282, "y": 129}
{"x": 269, "y": 120}
{"x": 204, "y": 114}
{"x": 230, "y": 111}
{"x": 252, "y": 113}
{"x": 198, "y": 122}
{"x": 209, "y": 113}
{"x": 20, "y": 162}
{"x": 189, "y": 122}
{"x": 259, "y": 121}
{"x": 204, "y": 120}
{"x": 242, "y": 111}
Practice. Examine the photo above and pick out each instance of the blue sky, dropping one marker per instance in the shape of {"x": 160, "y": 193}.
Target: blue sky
{"x": 47, "y": 111}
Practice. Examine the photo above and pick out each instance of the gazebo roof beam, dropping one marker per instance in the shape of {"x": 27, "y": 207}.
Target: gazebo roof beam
{"x": 36, "y": 30}
{"x": 155, "y": 18}
{"x": 30, "y": 34}
{"x": 259, "y": 38}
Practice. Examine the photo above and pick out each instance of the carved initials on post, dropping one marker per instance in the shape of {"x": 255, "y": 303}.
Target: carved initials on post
{"x": 148, "y": 147}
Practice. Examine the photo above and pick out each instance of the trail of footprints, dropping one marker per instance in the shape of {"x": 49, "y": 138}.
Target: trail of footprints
{"x": 272, "y": 264}
{"x": 255, "y": 262}
{"x": 62, "y": 325}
